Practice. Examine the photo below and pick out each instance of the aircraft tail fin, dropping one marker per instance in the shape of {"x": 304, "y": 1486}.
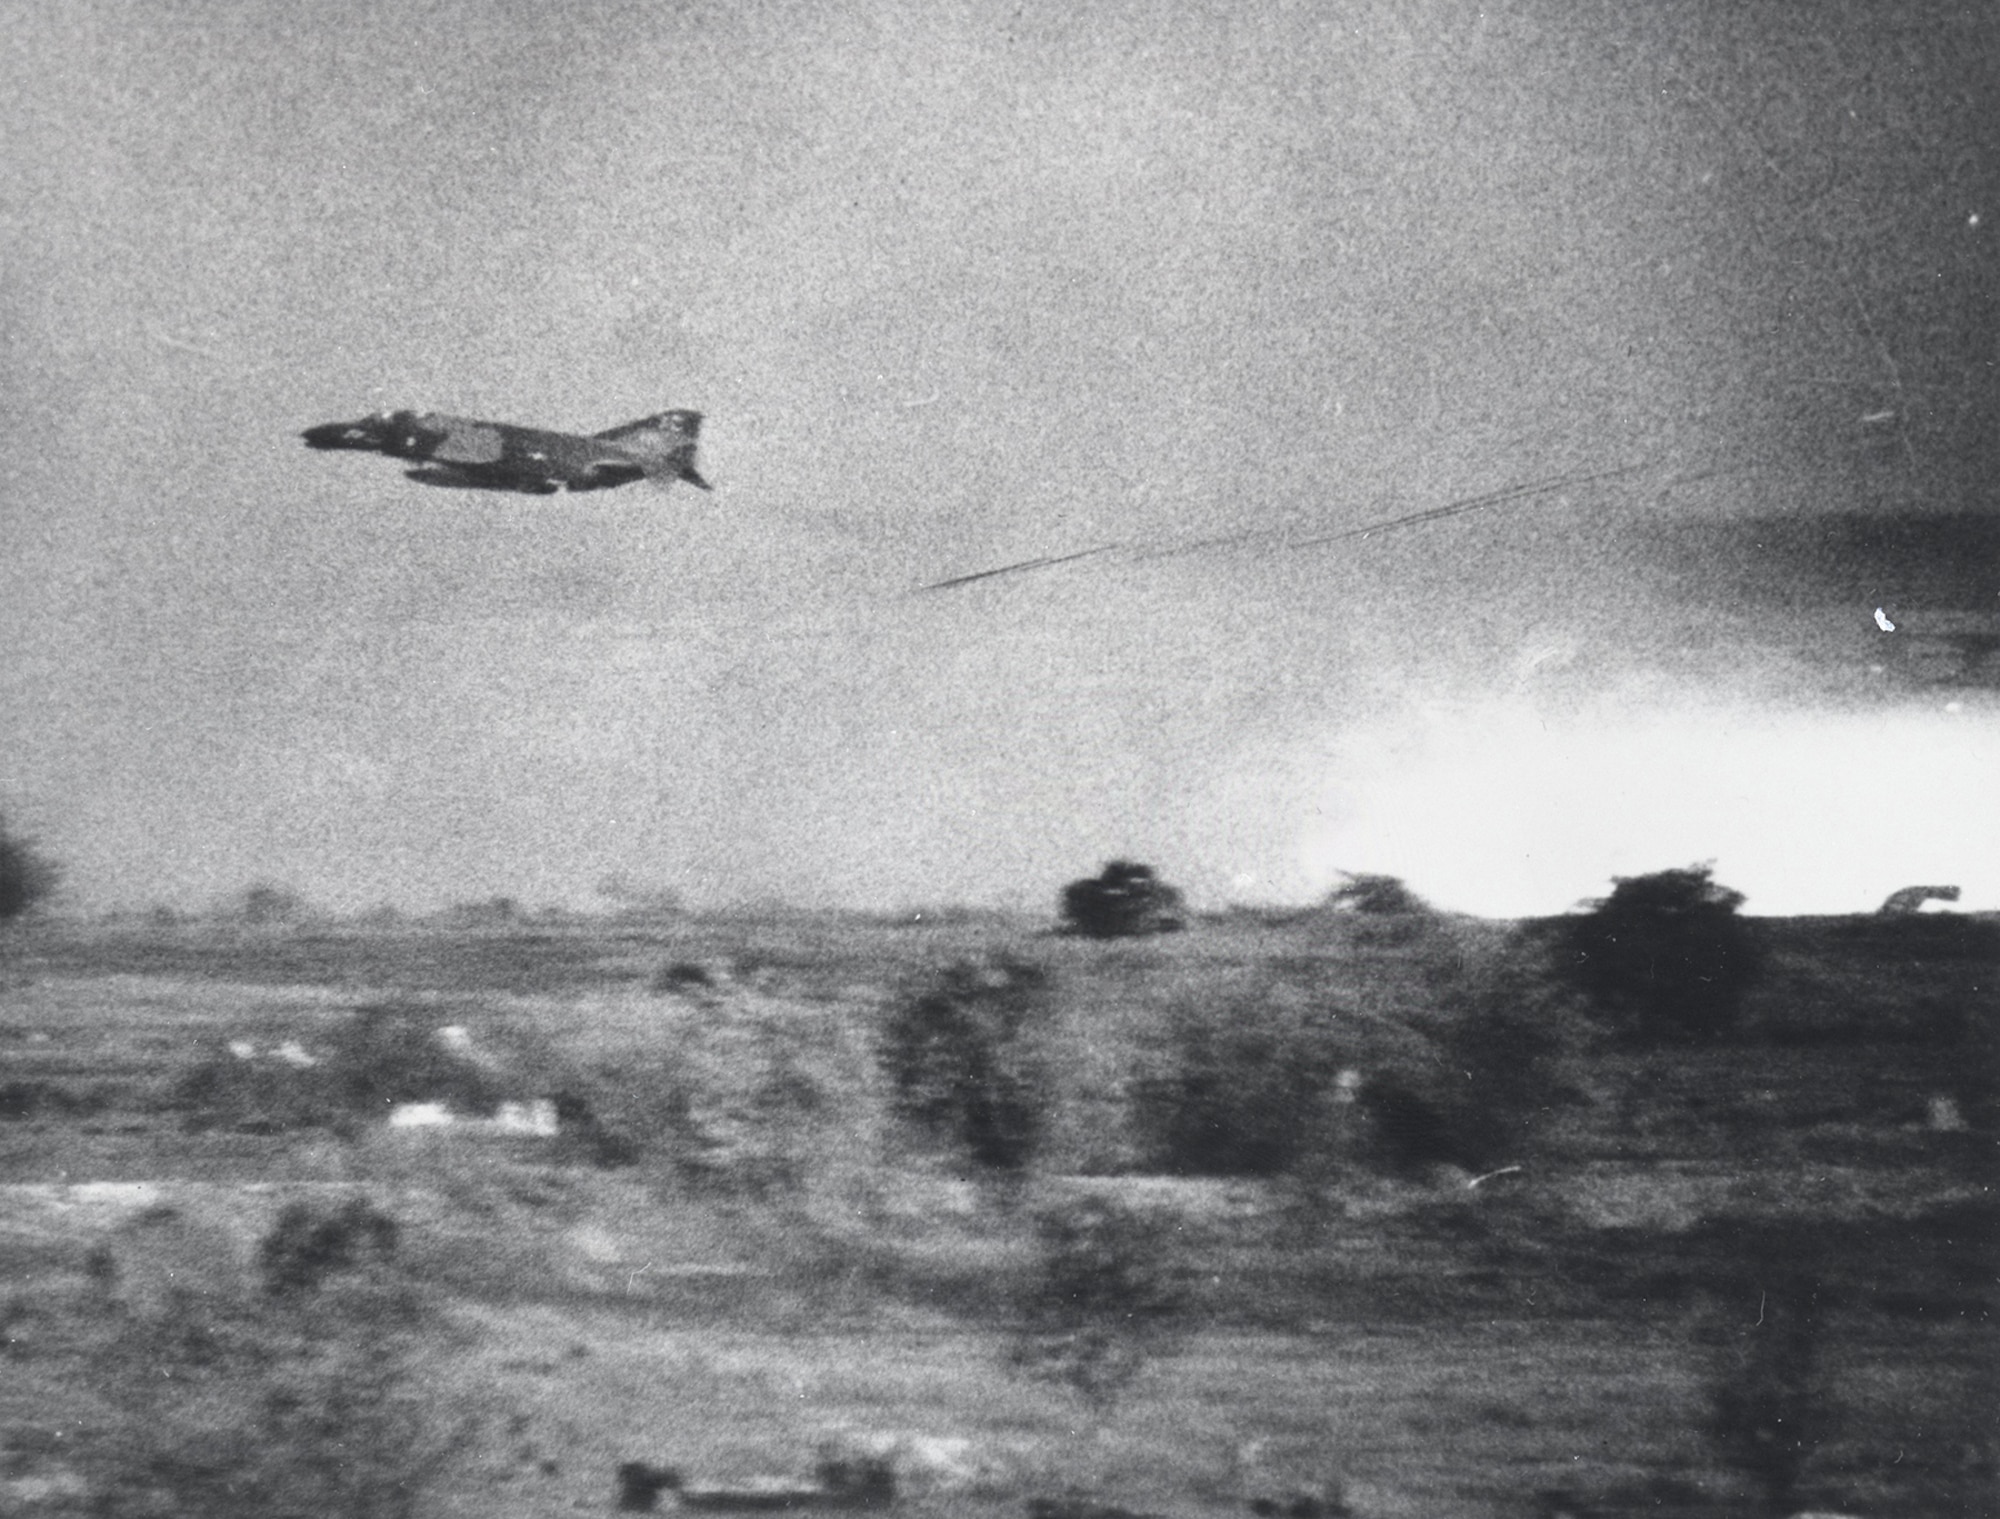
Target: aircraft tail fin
{"x": 664, "y": 443}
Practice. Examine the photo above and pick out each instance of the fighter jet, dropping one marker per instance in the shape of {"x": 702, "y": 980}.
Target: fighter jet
{"x": 463, "y": 454}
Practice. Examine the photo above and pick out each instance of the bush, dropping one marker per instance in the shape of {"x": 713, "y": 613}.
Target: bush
{"x": 1247, "y": 1089}
{"x": 755, "y": 1097}
{"x": 1449, "y": 1051}
{"x": 27, "y": 876}
{"x": 385, "y": 1053}
{"x": 1104, "y": 1299}
{"x": 965, "y": 1062}
{"x": 266, "y": 904}
{"x": 1667, "y": 951}
{"x": 1124, "y": 901}
{"x": 309, "y": 1242}
{"x": 1501, "y": 1035}
{"x": 390, "y": 1052}
{"x": 262, "y": 1096}
{"x": 305, "y": 1408}
{"x": 605, "y": 1146}
{"x": 1374, "y": 896}
{"x": 682, "y": 976}
{"x": 1409, "y": 1129}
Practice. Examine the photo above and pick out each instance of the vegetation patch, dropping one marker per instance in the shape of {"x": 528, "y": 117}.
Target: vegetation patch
{"x": 1542, "y": 1230}
{"x": 967, "y": 1059}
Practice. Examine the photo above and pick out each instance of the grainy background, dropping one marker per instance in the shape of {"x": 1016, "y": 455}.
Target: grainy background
{"x": 960, "y": 285}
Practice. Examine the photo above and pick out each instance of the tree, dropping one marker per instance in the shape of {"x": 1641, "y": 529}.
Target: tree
{"x": 1374, "y": 896}
{"x": 1666, "y": 950}
{"x": 1123, "y": 901}
{"x": 27, "y": 876}
{"x": 965, "y": 1057}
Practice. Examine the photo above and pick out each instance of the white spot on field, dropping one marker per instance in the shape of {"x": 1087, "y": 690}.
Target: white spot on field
{"x": 419, "y": 1115}
{"x": 121, "y": 1194}
{"x": 595, "y": 1244}
{"x": 1882, "y": 621}
{"x": 110, "y": 1196}
{"x": 537, "y": 1117}
{"x": 1943, "y": 1117}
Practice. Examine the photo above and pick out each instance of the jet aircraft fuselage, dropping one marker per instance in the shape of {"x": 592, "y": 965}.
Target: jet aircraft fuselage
{"x": 467, "y": 454}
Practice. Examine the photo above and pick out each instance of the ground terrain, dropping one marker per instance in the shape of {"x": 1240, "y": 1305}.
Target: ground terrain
{"x": 743, "y": 1252}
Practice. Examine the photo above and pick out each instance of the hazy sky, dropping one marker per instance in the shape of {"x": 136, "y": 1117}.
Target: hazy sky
{"x": 960, "y": 285}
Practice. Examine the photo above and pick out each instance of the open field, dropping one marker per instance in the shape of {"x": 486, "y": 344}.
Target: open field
{"x": 737, "y": 1249}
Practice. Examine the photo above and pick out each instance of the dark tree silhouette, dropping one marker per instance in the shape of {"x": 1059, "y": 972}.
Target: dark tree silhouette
{"x": 266, "y": 902}
{"x": 1666, "y": 950}
{"x": 27, "y": 876}
{"x": 1123, "y": 901}
{"x": 965, "y": 1056}
{"x": 1374, "y": 895}
{"x": 310, "y": 1241}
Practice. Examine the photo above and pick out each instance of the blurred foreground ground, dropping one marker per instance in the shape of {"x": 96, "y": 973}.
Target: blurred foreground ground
{"x": 1439, "y": 1347}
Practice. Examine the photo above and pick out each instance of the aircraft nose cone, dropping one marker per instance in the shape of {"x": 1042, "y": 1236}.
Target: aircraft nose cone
{"x": 338, "y": 435}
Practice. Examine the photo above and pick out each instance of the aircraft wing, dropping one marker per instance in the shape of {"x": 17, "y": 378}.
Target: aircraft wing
{"x": 466, "y": 479}
{"x": 604, "y": 474}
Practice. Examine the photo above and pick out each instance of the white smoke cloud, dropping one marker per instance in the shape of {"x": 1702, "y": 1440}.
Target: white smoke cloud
{"x": 1498, "y": 806}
